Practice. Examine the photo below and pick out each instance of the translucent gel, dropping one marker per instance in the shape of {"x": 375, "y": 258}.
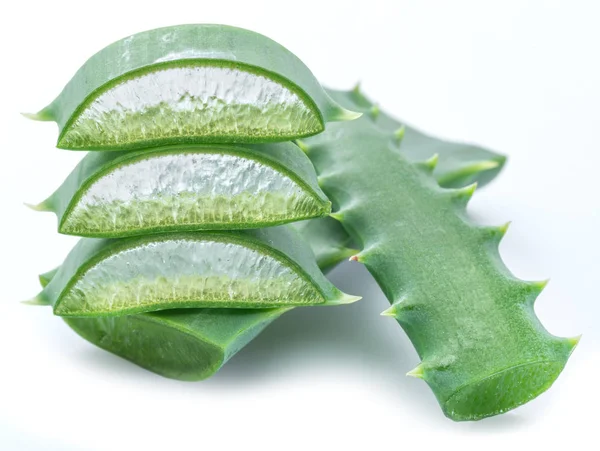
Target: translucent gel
{"x": 186, "y": 271}
{"x": 189, "y": 188}
{"x": 195, "y": 101}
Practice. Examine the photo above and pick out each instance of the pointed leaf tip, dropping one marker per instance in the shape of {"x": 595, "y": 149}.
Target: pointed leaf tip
{"x": 356, "y": 88}
{"x": 44, "y": 115}
{"x": 38, "y": 300}
{"x": 342, "y": 114}
{"x": 417, "y": 372}
{"x": 484, "y": 165}
{"x": 345, "y": 299}
{"x": 37, "y": 207}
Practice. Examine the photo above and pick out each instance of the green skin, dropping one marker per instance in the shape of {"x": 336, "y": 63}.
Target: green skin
{"x": 285, "y": 158}
{"x": 282, "y": 244}
{"x": 187, "y": 46}
{"x": 211, "y": 336}
{"x": 483, "y": 350}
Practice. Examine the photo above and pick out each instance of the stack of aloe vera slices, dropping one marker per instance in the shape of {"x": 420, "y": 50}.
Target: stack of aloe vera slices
{"x": 192, "y": 177}
{"x": 184, "y": 198}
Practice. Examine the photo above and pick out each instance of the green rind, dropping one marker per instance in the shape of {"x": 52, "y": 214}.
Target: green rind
{"x": 281, "y": 243}
{"x": 285, "y": 158}
{"x": 188, "y": 345}
{"x": 472, "y": 322}
{"x": 181, "y": 45}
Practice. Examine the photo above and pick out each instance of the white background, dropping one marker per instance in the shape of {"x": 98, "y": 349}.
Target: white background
{"x": 521, "y": 77}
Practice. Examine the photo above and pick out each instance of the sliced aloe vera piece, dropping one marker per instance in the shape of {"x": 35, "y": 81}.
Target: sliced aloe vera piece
{"x": 191, "y": 344}
{"x": 190, "y": 84}
{"x": 262, "y": 268}
{"x": 115, "y": 194}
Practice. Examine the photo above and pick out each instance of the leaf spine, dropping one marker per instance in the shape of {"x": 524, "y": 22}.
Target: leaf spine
{"x": 418, "y": 372}
{"x": 399, "y": 134}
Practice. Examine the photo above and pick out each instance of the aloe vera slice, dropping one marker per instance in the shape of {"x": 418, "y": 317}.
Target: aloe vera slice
{"x": 115, "y": 194}
{"x": 472, "y": 322}
{"x": 262, "y": 268}
{"x": 190, "y": 84}
{"x": 190, "y": 344}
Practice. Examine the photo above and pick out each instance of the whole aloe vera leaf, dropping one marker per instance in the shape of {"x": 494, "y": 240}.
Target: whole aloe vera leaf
{"x": 483, "y": 350}
{"x": 264, "y": 268}
{"x": 190, "y": 344}
{"x": 116, "y": 194}
{"x": 190, "y": 84}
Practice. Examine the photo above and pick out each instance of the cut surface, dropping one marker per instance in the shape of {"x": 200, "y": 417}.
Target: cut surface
{"x": 202, "y": 101}
{"x": 189, "y": 191}
{"x": 152, "y": 343}
{"x": 183, "y": 272}
{"x": 502, "y": 391}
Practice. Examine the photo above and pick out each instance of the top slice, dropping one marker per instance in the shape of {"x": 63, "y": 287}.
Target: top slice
{"x": 190, "y": 84}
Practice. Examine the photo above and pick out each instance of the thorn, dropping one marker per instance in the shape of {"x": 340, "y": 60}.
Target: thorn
{"x": 540, "y": 285}
{"x": 342, "y": 114}
{"x": 429, "y": 165}
{"x": 303, "y": 146}
{"x": 417, "y": 372}
{"x": 504, "y": 228}
{"x": 38, "y": 300}
{"x": 463, "y": 195}
{"x": 433, "y": 161}
{"x": 390, "y": 311}
{"x": 345, "y": 299}
{"x": 374, "y": 112}
{"x": 338, "y": 215}
{"x": 573, "y": 341}
{"x": 43, "y": 115}
{"x": 399, "y": 134}
{"x": 38, "y": 207}
{"x": 484, "y": 166}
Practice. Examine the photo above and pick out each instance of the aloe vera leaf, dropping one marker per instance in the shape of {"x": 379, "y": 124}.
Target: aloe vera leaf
{"x": 190, "y": 344}
{"x": 458, "y": 164}
{"x": 472, "y": 322}
{"x": 330, "y": 243}
{"x": 116, "y": 194}
{"x": 190, "y": 84}
{"x": 262, "y": 268}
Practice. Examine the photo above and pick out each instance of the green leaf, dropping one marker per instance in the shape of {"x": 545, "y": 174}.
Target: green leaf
{"x": 472, "y": 322}
{"x": 190, "y": 84}
{"x": 116, "y": 194}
